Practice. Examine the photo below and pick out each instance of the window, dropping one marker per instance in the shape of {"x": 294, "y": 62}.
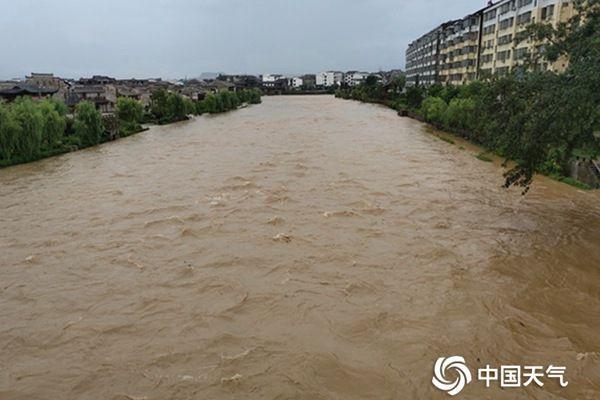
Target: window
{"x": 524, "y": 18}
{"x": 503, "y": 55}
{"x": 487, "y": 58}
{"x": 506, "y": 39}
{"x": 485, "y": 72}
{"x": 489, "y": 29}
{"x": 521, "y": 53}
{"x": 547, "y": 12}
{"x": 523, "y": 3}
{"x": 504, "y": 8}
{"x": 502, "y": 71}
{"x": 490, "y": 15}
{"x": 507, "y": 23}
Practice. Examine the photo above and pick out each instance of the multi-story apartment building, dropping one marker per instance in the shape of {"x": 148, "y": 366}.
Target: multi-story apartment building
{"x": 270, "y": 78}
{"x": 505, "y": 21}
{"x": 483, "y": 43}
{"x": 422, "y": 58}
{"x": 330, "y": 78}
{"x": 459, "y": 50}
{"x": 296, "y": 82}
{"x": 355, "y": 78}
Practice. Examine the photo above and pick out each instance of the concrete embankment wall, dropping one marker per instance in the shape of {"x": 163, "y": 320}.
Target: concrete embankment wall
{"x": 586, "y": 171}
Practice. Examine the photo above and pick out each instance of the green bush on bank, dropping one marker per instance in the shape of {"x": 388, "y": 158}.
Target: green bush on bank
{"x": 434, "y": 109}
{"x": 460, "y": 115}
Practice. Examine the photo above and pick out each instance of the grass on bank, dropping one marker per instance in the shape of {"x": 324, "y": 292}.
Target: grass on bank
{"x": 572, "y": 182}
{"x": 445, "y": 139}
{"x": 483, "y": 157}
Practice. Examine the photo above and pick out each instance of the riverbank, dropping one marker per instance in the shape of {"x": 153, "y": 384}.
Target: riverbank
{"x": 32, "y": 131}
{"x": 466, "y": 135}
{"x": 64, "y": 150}
{"x": 539, "y": 118}
{"x": 484, "y": 154}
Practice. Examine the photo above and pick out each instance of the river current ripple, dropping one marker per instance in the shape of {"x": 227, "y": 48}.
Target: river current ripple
{"x": 305, "y": 248}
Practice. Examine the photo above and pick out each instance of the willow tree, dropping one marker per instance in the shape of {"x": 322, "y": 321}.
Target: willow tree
{"x": 10, "y": 130}
{"x": 177, "y": 110}
{"x": 130, "y": 114}
{"x": 54, "y": 123}
{"x": 30, "y": 119}
{"x": 88, "y": 123}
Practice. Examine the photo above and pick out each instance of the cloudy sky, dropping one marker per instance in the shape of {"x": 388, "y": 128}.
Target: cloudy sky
{"x": 179, "y": 38}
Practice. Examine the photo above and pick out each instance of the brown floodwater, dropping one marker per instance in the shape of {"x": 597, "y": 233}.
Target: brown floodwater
{"x": 305, "y": 248}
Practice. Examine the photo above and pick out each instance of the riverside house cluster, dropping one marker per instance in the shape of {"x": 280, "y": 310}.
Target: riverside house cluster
{"x": 103, "y": 91}
{"x": 483, "y": 43}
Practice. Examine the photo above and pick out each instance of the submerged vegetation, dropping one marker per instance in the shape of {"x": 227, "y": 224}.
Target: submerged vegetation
{"x": 31, "y": 130}
{"x": 539, "y": 119}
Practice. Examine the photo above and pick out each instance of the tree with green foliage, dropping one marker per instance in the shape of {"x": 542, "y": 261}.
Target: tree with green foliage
{"x": 225, "y": 100}
{"x": 414, "y": 96}
{"x": 10, "y": 130}
{"x": 209, "y": 104}
{"x": 29, "y": 117}
{"x": 159, "y": 105}
{"x": 59, "y": 106}
{"x": 449, "y": 93}
{"x": 190, "y": 106}
{"x": 435, "y": 90}
{"x": 177, "y": 110}
{"x": 54, "y": 123}
{"x": 371, "y": 81}
{"x": 460, "y": 115}
{"x": 397, "y": 85}
{"x": 561, "y": 111}
{"x": 130, "y": 114}
{"x": 434, "y": 110}
{"x": 254, "y": 96}
{"x": 88, "y": 123}
{"x": 167, "y": 107}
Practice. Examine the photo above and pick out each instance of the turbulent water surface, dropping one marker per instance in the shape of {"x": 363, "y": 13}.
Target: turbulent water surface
{"x": 305, "y": 248}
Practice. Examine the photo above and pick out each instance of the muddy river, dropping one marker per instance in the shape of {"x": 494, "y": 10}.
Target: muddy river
{"x": 304, "y": 248}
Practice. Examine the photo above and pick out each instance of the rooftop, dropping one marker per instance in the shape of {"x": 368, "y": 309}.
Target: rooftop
{"x": 27, "y": 89}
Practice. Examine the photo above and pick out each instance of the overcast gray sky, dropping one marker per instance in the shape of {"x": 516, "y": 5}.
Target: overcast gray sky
{"x": 179, "y": 38}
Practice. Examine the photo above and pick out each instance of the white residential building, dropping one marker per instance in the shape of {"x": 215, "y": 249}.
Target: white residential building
{"x": 297, "y": 82}
{"x": 330, "y": 78}
{"x": 355, "y": 78}
{"x": 270, "y": 78}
